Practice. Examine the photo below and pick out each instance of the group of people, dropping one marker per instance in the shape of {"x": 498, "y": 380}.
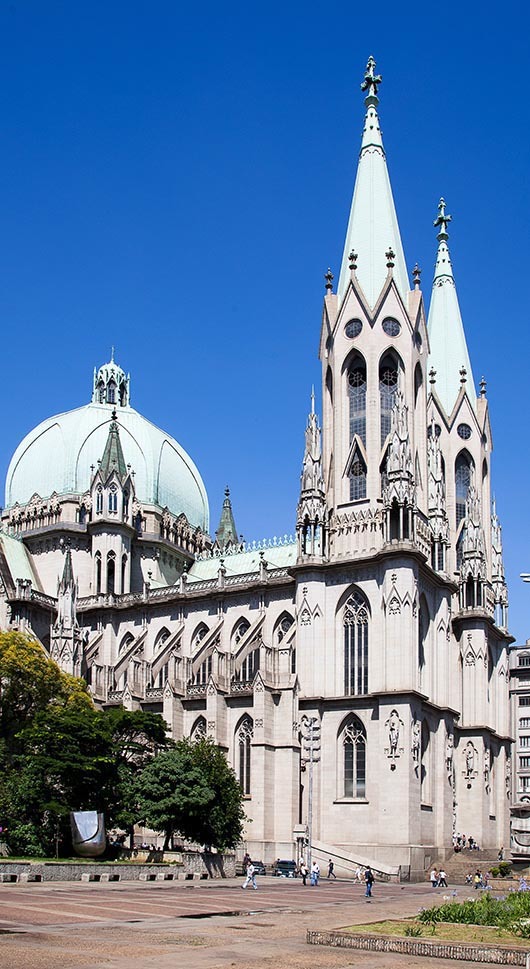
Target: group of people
{"x": 313, "y": 874}
{"x": 461, "y": 842}
{"x": 479, "y": 879}
{"x": 438, "y": 878}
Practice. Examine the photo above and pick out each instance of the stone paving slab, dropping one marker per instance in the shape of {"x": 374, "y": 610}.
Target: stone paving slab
{"x": 158, "y": 926}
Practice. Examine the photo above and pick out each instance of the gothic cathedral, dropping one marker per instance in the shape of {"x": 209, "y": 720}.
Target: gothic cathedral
{"x": 381, "y": 629}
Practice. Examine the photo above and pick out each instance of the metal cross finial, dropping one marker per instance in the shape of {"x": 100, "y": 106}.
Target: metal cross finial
{"x": 442, "y": 220}
{"x": 390, "y": 257}
{"x": 112, "y": 354}
{"x": 371, "y": 80}
{"x": 463, "y": 375}
{"x": 329, "y": 281}
{"x": 416, "y": 274}
{"x": 483, "y": 387}
{"x": 432, "y": 376}
{"x": 353, "y": 260}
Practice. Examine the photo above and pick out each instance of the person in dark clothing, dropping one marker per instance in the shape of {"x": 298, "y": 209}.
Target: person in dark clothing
{"x": 369, "y": 880}
{"x": 331, "y": 866}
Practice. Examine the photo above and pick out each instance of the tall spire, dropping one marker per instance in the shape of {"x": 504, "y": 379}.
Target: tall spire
{"x": 113, "y": 459}
{"x": 373, "y": 226}
{"x": 226, "y": 534}
{"x": 449, "y": 354}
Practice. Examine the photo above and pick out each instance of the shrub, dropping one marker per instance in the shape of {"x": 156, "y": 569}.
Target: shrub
{"x": 413, "y": 930}
{"x": 495, "y": 872}
{"x": 504, "y": 868}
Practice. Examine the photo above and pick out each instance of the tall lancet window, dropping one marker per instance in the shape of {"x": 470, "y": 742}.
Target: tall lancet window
{"x": 357, "y": 476}
{"x": 355, "y": 626}
{"x": 388, "y": 385}
{"x": 352, "y": 739}
{"x": 357, "y": 398}
{"x": 463, "y": 466}
{"x": 244, "y": 734}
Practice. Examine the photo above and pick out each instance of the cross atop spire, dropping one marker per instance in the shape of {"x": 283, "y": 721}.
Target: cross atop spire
{"x": 370, "y": 83}
{"x": 443, "y": 221}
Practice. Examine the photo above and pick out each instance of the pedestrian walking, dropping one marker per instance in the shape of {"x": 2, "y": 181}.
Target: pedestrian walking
{"x": 434, "y": 878}
{"x": 315, "y": 874}
{"x": 369, "y": 880}
{"x": 304, "y": 872}
{"x": 251, "y": 877}
{"x": 331, "y": 866}
{"x": 442, "y": 883}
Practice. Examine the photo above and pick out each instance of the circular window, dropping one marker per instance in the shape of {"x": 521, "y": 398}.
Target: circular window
{"x": 357, "y": 377}
{"x": 464, "y": 431}
{"x": 391, "y": 327}
{"x": 437, "y": 430}
{"x": 353, "y": 328}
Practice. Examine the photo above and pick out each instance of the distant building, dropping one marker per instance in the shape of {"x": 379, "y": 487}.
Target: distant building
{"x": 383, "y": 624}
{"x": 520, "y": 702}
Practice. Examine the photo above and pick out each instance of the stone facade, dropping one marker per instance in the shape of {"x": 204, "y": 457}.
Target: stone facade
{"x": 383, "y": 624}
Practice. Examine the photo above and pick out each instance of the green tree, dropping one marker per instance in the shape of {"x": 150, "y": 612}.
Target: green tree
{"x": 192, "y": 790}
{"x": 30, "y": 682}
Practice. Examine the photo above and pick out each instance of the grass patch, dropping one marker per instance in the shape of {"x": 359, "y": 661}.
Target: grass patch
{"x": 443, "y": 932}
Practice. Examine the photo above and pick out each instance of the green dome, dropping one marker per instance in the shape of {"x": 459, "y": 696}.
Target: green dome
{"x": 59, "y": 455}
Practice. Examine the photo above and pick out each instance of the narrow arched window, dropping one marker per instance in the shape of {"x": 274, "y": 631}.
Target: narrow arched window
{"x": 98, "y": 573}
{"x": 463, "y": 467}
{"x": 283, "y": 626}
{"x": 355, "y": 629}
{"x": 352, "y": 742}
{"x": 357, "y": 399}
{"x": 198, "y": 731}
{"x": 123, "y": 572}
{"x": 418, "y": 382}
{"x": 388, "y": 385}
{"x": 357, "y": 477}
{"x": 423, "y": 632}
{"x": 99, "y": 500}
{"x": 244, "y": 734}
{"x": 425, "y": 772}
{"x": 113, "y": 499}
{"x": 111, "y": 392}
{"x": 111, "y": 573}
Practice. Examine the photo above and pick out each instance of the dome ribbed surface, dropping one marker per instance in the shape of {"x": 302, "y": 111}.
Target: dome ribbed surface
{"x": 58, "y": 454}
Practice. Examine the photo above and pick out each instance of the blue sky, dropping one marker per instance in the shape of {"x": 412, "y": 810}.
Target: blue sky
{"x": 175, "y": 180}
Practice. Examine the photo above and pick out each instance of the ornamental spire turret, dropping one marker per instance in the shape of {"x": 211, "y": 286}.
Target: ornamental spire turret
{"x": 373, "y": 228}
{"x": 113, "y": 459}
{"x": 448, "y": 348}
{"x": 311, "y": 518}
{"x": 226, "y": 534}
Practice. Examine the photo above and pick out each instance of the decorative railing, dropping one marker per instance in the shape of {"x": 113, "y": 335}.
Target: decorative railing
{"x": 241, "y": 686}
{"x": 237, "y": 549}
{"x": 154, "y": 693}
{"x": 115, "y": 696}
{"x": 195, "y": 690}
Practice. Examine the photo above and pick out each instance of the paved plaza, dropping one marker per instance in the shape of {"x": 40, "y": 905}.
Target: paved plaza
{"x": 197, "y": 926}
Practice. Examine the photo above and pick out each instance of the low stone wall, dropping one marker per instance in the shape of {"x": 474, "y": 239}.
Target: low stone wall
{"x": 193, "y": 864}
{"x": 459, "y": 951}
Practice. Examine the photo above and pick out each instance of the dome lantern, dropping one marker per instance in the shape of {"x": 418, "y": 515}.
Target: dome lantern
{"x": 111, "y": 385}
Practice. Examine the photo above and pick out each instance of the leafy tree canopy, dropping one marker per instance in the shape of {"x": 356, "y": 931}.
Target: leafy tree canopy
{"x": 29, "y": 682}
{"x": 191, "y": 790}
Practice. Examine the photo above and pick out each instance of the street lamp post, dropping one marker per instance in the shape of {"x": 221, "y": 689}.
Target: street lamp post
{"x": 310, "y": 730}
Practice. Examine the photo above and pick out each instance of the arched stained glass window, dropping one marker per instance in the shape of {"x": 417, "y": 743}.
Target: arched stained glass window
{"x": 353, "y": 743}
{"x": 244, "y": 734}
{"x": 198, "y": 731}
{"x": 357, "y": 399}
{"x": 388, "y": 385}
{"x": 463, "y": 467}
{"x": 355, "y": 624}
{"x": 357, "y": 477}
